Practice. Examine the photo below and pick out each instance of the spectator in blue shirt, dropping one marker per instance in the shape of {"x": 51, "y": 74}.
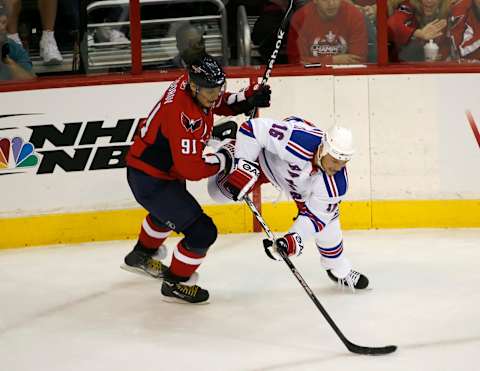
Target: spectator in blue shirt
{"x": 15, "y": 64}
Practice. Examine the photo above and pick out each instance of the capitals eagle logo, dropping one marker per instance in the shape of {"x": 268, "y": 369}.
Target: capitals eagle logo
{"x": 190, "y": 124}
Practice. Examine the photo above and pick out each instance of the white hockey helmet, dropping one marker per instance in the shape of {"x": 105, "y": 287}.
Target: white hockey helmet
{"x": 338, "y": 143}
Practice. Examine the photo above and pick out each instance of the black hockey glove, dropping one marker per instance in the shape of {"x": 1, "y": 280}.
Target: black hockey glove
{"x": 227, "y": 130}
{"x": 258, "y": 95}
{"x": 255, "y": 95}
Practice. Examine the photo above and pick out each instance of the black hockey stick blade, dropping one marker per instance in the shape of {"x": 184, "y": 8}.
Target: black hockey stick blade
{"x": 354, "y": 348}
{"x": 370, "y": 351}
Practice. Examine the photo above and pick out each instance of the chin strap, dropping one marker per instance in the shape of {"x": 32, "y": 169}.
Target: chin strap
{"x": 318, "y": 157}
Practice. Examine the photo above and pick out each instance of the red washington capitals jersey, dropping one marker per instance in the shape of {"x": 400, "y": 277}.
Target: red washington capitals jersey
{"x": 465, "y": 29}
{"x": 169, "y": 143}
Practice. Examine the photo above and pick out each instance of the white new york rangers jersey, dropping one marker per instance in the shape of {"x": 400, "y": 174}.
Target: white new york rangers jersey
{"x": 285, "y": 151}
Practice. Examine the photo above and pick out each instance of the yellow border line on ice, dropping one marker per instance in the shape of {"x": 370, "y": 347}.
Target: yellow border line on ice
{"x": 125, "y": 224}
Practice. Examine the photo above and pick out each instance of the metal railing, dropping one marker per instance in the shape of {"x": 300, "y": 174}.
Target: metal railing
{"x": 155, "y": 50}
{"x": 246, "y": 49}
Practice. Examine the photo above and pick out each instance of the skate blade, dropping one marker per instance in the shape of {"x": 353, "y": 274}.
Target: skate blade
{"x": 174, "y": 300}
{"x": 141, "y": 272}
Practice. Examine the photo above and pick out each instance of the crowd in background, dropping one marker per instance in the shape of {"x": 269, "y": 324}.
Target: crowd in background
{"x": 319, "y": 31}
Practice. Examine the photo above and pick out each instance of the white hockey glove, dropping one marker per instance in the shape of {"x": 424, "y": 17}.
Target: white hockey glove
{"x": 242, "y": 179}
{"x": 224, "y": 156}
{"x": 227, "y": 150}
{"x": 291, "y": 244}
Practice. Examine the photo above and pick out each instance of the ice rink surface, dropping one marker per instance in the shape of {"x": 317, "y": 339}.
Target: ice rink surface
{"x": 71, "y": 308}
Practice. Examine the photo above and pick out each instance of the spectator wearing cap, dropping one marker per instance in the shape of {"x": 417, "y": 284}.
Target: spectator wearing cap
{"x": 15, "y": 64}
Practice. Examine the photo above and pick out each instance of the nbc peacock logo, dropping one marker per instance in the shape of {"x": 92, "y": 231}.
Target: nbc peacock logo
{"x": 15, "y": 153}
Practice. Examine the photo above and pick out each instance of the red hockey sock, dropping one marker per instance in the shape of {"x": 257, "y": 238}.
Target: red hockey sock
{"x": 151, "y": 235}
{"x": 184, "y": 262}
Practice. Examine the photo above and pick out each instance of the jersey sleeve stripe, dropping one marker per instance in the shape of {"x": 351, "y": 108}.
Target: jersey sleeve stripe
{"x": 327, "y": 184}
{"x": 299, "y": 150}
{"x": 341, "y": 181}
{"x": 247, "y": 129}
{"x": 297, "y": 154}
{"x": 307, "y": 140}
{"x": 333, "y": 186}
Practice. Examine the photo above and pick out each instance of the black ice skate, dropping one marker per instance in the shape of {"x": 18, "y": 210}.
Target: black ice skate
{"x": 183, "y": 292}
{"x": 354, "y": 280}
{"x": 146, "y": 263}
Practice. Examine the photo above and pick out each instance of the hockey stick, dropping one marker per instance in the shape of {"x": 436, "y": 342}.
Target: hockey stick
{"x": 354, "y": 348}
{"x": 280, "y": 34}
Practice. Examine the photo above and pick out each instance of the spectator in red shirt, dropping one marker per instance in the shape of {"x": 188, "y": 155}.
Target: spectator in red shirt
{"x": 464, "y": 30}
{"x": 327, "y": 32}
{"x": 415, "y": 22}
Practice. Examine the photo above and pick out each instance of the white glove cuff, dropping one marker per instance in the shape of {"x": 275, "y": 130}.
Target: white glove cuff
{"x": 222, "y": 161}
{"x": 215, "y": 159}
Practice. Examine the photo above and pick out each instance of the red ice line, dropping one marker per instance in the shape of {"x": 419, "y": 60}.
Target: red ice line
{"x": 473, "y": 125}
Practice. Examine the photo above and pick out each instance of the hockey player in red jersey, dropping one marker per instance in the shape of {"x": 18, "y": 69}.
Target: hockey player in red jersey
{"x": 166, "y": 152}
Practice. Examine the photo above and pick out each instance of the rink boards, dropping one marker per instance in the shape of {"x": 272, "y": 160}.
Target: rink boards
{"x": 62, "y": 177}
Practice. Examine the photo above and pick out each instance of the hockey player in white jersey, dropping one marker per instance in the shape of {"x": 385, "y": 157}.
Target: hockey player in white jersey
{"x": 310, "y": 165}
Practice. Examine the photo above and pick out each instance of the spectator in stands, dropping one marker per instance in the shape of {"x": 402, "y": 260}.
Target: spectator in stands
{"x": 14, "y": 61}
{"x": 368, "y": 8}
{"x": 190, "y": 44}
{"x": 327, "y": 32}
{"x": 113, "y": 34}
{"x": 415, "y": 22}
{"x": 48, "y": 45}
{"x": 264, "y": 33}
{"x": 464, "y": 30}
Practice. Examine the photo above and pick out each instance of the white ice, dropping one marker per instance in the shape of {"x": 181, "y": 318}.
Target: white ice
{"x": 71, "y": 308}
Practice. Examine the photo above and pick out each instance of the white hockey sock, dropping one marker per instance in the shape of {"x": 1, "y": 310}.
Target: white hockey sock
{"x": 339, "y": 266}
